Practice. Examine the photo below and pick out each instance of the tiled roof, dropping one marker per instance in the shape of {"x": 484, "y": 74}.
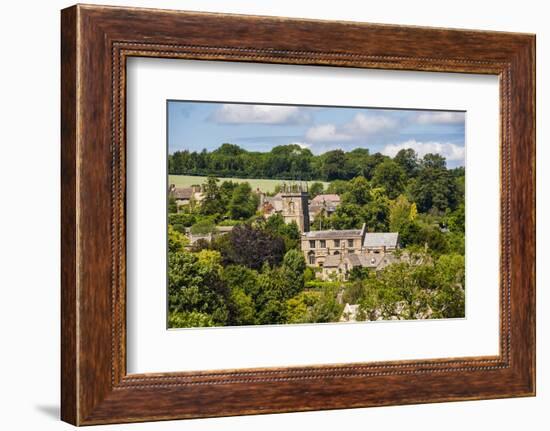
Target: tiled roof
{"x": 277, "y": 197}
{"x": 332, "y": 261}
{"x": 182, "y": 192}
{"x": 329, "y": 234}
{"x": 381, "y": 239}
{"x": 375, "y": 260}
{"x": 328, "y": 198}
{"x": 354, "y": 259}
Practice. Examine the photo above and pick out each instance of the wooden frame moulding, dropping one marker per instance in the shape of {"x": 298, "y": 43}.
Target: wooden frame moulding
{"x": 95, "y": 43}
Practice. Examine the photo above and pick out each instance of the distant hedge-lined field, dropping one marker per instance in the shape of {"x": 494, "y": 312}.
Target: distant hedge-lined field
{"x": 267, "y": 186}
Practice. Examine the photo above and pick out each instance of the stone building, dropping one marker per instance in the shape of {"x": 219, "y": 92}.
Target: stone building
{"x": 325, "y": 204}
{"x": 292, "y": 202}
{"x": 184, "y": 195}
{"x": 295, "y": 203}
{"x": 337, "y": 252}
{"x": 337, "y": 267}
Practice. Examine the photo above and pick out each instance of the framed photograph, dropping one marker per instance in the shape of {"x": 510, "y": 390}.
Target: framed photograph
{"x": 263, "y": 214}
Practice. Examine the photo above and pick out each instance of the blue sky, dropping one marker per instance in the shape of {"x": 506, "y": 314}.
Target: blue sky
{"x": 255, "y": 127}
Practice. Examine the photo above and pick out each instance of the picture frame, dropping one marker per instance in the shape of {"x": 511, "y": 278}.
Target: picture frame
{"x": 96, "y": 42}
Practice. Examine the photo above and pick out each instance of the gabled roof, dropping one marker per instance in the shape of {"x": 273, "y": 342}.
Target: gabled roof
{"x": 332, "y": 261}
{"x": 328, "y": 198}
{"x": 330, "y": 234}
{"x": 381, "y": 239}
{"x": 376, "y": 260}
{"x": 353, "y": 259}
{"x": 182, "y": 192}
{"x": 277, "y": 197}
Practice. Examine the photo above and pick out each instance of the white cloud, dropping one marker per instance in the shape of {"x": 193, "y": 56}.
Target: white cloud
{"x": 259, "y": 114}
{"x": 451, "y": 152}
{"x": 440, "y": 118}
{"x": 362, "y": 124}
{"x": 325, "y": 132}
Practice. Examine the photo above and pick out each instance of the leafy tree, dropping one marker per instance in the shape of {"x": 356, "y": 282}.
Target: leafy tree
{"x": 243, "y": 202}
{"x": 391, "y": 176}
{"x": 358, "y": 273}
{"x": 338, "y": 187}
{"x": 226, "y": 190}
{"x": 410, "y": 233}
{"x": 180, "y": 221}
{"x": 299, "y": 308}
{"x": 189, "y": 319}
{"x": 456, "y": 243}
{"x": 172, "y": 205}
{"x": 270, "y": 301}
{"x": 203, "y": 227}
{"x": 450, "y": 296}
{"x": 315, "y": 189}
{"x": 176, "y": 241}
{"x": 327, "y": 308}
{"x": 309, "y": 274}
{"x": 435, "y": 239}
{"x": 195, "y": 285}
{"x": 288, "y": 161}
{"x": 211, "y": 201}
{"x": 434, "y": 161}
{"x": 242, "y": 278}
{"x": 355, "y": 290}
{"x": 400, "y": 213}
{"x": 321, "y": 221}
{"x": 333, "y": 165}
{"x": 293, "y": 269}
{"x": 455, "y": 220}
{"x": 434, "y": 188}
{"x": 251, "y": 247}
{"x": 358, "y": 162}
{"x": 347, "y": 216}
{"x": 358, "y": 192}
{"x": 242, "y": 310}
{"x": 394, "y": 293}
{"x": 373, "y": 161}
{"x": 408, "y": 161}
{"x": 376, "y": 213}
{"x": 289, "y": 232}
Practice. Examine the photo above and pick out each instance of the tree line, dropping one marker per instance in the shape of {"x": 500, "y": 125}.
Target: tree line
{"x": 290, "y": 162}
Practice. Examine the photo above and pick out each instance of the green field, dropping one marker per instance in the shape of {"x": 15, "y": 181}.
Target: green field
{"x": 267, "y": 186}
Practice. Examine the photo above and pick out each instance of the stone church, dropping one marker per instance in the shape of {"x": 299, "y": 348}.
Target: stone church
{"x": 334, "y": 252}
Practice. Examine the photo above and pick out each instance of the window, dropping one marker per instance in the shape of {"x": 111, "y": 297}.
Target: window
{"x": 311, "y": 258}
{"x": 291, "y": 207}
{"x": 311, "y": 244}
{"x": 350, "y": 243}
{"x": 337, "y": 243}
{"x": 323, "y": 244}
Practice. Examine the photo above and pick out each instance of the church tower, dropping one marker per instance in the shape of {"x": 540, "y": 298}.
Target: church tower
{"x": 296, "y": 205}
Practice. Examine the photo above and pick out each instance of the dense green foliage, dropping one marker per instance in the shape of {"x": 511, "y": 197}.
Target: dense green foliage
{"x": 256, "y": 273}
{"x": 294, "y": 162}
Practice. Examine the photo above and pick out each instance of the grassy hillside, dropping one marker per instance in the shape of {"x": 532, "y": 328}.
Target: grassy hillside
{"x": 264, "y": 185}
